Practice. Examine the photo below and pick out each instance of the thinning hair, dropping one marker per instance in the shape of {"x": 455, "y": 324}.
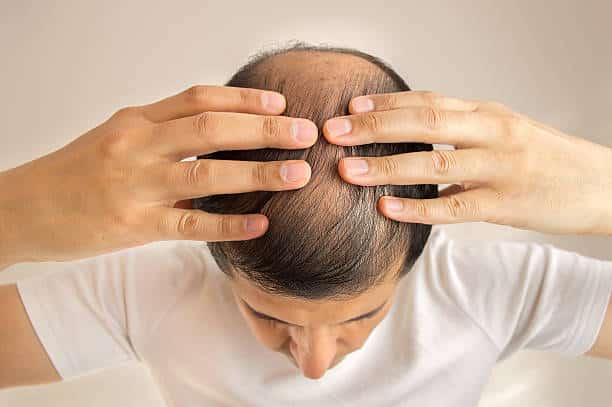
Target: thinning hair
{"x": 327, "y": 239}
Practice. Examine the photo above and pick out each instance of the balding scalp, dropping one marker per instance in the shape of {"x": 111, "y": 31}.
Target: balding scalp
{"x": 327, "y": 239}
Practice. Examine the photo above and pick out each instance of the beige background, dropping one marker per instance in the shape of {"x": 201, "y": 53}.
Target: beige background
{"x": 66, "y": 66}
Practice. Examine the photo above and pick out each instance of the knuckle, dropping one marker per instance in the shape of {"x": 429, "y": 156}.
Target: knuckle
{"x": 388, "y": 102}
{"x": 202, "y": 124}
{"x": 261, "y": 175}
{"x": 197, "y": 95}
{"x": 421, "y": 209}
{"x": 388, "y": 166}
{"x": 370, "y": 121}
{"x": 431, "y": 98}
{"x": 270, "y": 128}
{"x": 224, "y": 226}
{"x": 443, "y": 161}
{"x": 114, "y": 144}
{"x": 160, "y": 130}
{"x": 432, "y": 118}
{"x": 196, "y": 173}
{"x": 126, "y": 112}
{"x": 188, "y": 224}
{"x": 460, "y": 208}
{"x": 498, "y": 199}
{"x": 510, "y": 125}
{"x": 245, "y": 97}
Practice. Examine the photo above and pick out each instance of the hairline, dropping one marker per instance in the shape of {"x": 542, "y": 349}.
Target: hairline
{"x": 300, "y": 46}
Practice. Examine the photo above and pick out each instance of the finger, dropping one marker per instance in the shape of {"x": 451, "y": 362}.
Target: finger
{"x": 192, "y": 179}
{"x": 214, "y": 131}
{"x": 423, "y": 167}
{"x": 199, "y": 99}
{"x": 189, "y": 224}
{"x": 417, "y": 124}
{"x": 398, "y": 100}
{"x": 462, "y": 207}
{"x": 495, "y": 107}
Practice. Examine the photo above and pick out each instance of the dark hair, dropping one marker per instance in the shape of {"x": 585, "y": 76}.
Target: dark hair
{"x": 327, "y": 239}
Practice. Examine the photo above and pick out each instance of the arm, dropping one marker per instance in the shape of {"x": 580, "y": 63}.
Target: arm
{"x": 603, "y": 345}
{"x": 23, "y": 360}
{"x": 526, "y": 295}
{"x": 91, "y": 314}
{"x": 124, "y": 184}
{"x": 506, "y": 169}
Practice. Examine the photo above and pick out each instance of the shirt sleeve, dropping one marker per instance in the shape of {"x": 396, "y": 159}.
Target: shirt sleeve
{"x": 526, "y": 295}
{"x": 97, "y": 312}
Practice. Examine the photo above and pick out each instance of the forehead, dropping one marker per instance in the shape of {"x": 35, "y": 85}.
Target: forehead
{"x": 305, "y": 312}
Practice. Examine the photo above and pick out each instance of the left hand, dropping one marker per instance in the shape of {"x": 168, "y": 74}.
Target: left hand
{"x": 506, "y": 168}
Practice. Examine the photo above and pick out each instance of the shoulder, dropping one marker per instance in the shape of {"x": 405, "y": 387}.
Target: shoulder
{"x": 148, "y": 279}
{"x": 163, "y": 268}
{"x": 471, "y": 254}
{"x": 470, "y": 268}
{"x": 174, "y": 257}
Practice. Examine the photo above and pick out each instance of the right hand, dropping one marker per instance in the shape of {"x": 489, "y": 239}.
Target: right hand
{"x": 506, "y": 169}
{"x": 122, "y": 184}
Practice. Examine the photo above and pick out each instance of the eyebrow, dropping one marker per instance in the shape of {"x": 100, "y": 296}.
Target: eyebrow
{"x": 261, "y": 315}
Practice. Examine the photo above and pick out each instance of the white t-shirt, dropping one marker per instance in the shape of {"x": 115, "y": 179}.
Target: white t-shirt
{"x": 464, "y": 306}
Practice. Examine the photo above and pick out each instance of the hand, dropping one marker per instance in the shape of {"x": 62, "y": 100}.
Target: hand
{"x": 123, "y": 183}
{"x": 506, "y": 168}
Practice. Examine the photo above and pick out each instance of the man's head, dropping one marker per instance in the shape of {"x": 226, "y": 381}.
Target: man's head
{"x": 323, "y": 276}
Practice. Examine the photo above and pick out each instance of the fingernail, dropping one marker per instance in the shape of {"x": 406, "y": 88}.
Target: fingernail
{"x": 254, "y": 224}
{"x": 303, "y": 131}
{"x": 356, "y": 166}
{"x": 338, "y": 127}
{"x": 363, "y": 104}
{"x": 293, "y": 172}
{"x": 272, "y": 101}
{"x": 394, "y": 205}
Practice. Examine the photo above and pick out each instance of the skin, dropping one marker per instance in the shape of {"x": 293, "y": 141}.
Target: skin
{"x": 23, "y": 360}
{"x": 313, "y": 335}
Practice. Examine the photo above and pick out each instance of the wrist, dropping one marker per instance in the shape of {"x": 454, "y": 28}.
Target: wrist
{"x": 604, "y": 223}
{"x": 608, "y": 188}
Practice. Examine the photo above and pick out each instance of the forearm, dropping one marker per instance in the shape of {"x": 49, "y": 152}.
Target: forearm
{"x": 7, "y": 254}
{"x": 9, "y": 219}
{"x": 7, "y": 259}
{"x": 598, "y": 195}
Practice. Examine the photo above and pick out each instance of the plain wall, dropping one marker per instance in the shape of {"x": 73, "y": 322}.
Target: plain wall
{"x": 67, "y": 66}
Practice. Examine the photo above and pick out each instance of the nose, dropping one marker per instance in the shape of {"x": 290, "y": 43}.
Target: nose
{"x": 314, "y": 349}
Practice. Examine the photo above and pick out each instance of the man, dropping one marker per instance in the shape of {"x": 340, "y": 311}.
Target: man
{"x": 429, "y": 336}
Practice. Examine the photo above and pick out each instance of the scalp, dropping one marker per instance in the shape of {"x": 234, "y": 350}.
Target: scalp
{"x": 326, "y": 239}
